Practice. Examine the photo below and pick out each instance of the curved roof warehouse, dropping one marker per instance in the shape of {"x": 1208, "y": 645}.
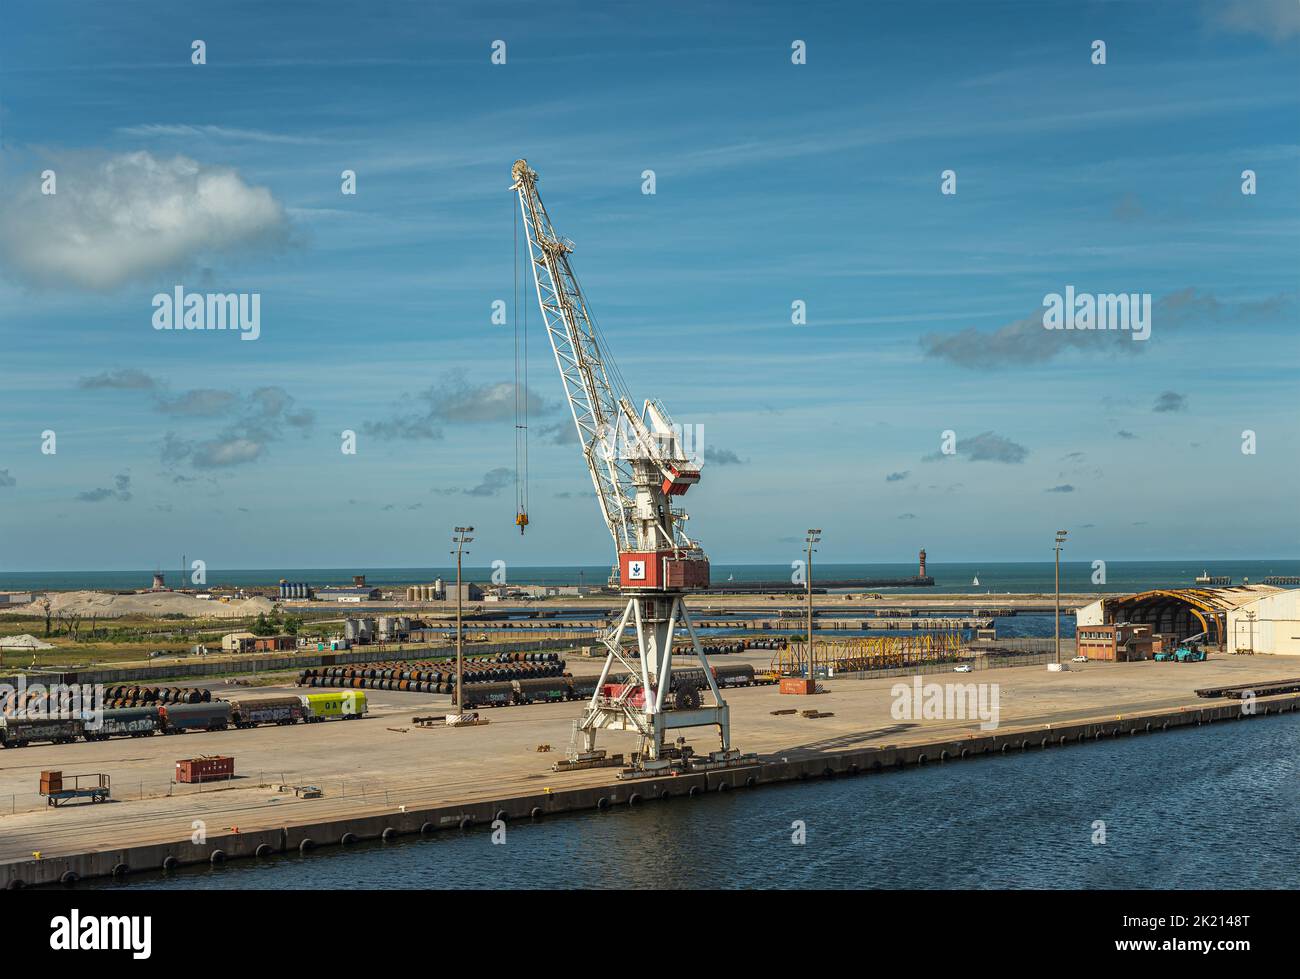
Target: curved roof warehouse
{"x": 1237, "y": 619}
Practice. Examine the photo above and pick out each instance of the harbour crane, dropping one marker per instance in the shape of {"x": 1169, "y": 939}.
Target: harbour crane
{"x": 639, "y": 467}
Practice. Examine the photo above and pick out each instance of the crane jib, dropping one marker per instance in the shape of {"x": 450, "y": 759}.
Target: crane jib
{"x": 637, "y": 480}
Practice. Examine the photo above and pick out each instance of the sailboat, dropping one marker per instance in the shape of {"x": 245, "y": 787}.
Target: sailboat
{"x": 976, "y": 581}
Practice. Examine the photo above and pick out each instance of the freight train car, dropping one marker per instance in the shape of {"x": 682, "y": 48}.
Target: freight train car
{"x": 542, "y": 690}
{"x": 124, "y": 722}
{"x": 734, "y": 675}
{"x": 499, "y": 694}
{"x": 329, "y": 706}
{"x": 179, "y": 718}
{"x": 267, "y": 710}
{"x": 16, "y": 732}
{"x": 582, "y": 687}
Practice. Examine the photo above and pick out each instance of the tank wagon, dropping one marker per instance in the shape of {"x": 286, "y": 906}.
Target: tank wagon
{"x": 500, "y": 694}
{"x": 542, "y": 690}
{"x": 124, "y": 722}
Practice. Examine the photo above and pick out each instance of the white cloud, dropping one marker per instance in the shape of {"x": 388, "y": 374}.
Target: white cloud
{"x": 1275, "y": 19}
{"x": 186, "y": 131}
{"x": 131, "y": 215}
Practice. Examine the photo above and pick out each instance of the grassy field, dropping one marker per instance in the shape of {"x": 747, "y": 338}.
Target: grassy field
{"x": 127, "y": 639}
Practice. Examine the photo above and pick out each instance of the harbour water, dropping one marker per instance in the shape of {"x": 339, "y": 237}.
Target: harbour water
{"x": 1208, "y": 807}
{"x": 1013, "y": 577}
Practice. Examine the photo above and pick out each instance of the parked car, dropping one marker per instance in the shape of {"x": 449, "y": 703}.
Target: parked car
{"x": 1079, "y": 659}
{"x": 964, "y": 668}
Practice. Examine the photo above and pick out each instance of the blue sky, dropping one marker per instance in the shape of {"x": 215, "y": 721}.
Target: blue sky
{"x": 775, "y": 182}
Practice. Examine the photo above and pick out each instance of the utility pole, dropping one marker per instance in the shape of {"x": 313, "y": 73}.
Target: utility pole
{"x": 460, "y": 539}
{"x": 814, "y": 537}
{"x": 1060, "y": 539}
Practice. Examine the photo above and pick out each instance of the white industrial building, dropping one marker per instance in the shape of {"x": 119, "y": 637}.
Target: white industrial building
{"x": 1236, "y": 619}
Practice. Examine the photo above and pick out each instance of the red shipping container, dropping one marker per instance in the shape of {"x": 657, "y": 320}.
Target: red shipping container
{"x": 798, "y": 685}
{"x": 206, "y": 769}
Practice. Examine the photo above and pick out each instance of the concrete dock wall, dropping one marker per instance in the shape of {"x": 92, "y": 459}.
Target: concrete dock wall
{"x": 343, "y": 831}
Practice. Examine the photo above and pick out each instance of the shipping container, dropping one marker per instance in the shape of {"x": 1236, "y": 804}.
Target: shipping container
{"x": 797, "y": 685}
{"x": 208, "y": 768}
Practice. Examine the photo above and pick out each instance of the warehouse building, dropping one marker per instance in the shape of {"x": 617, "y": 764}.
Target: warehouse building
{"x": 469, "y": 592}
{"x": 1121, "y": 642}
{"x": 238, "y": 642}
{"x": 274, "y": 644}
{"x": 355, "y": 593}
{"x": 1239, "y": 619}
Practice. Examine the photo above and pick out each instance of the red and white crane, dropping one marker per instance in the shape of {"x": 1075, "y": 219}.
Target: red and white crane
{"x": 639, "y": 467}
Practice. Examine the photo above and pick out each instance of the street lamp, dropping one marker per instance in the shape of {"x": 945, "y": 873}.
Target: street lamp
{"x": 460, "y": 539}
{"x": 1060, "y": 539}
{"x": 814, "y": 537}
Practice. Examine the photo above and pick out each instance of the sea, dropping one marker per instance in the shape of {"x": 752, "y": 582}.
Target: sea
{"x": 992, "y": 578}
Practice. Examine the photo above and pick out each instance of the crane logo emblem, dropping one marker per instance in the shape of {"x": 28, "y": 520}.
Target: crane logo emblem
{"x": 636, "y": 570}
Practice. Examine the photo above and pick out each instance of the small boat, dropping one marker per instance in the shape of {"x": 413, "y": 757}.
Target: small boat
{"x": 976, "y": 581}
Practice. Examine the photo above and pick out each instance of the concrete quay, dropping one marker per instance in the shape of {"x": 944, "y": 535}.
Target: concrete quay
{"x": 384, "y": 778}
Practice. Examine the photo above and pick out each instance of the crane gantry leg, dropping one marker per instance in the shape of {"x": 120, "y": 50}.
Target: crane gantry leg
{"x": 642, "y": 697}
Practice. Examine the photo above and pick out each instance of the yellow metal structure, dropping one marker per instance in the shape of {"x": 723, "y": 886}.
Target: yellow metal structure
{"x": 869, "y": 653}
